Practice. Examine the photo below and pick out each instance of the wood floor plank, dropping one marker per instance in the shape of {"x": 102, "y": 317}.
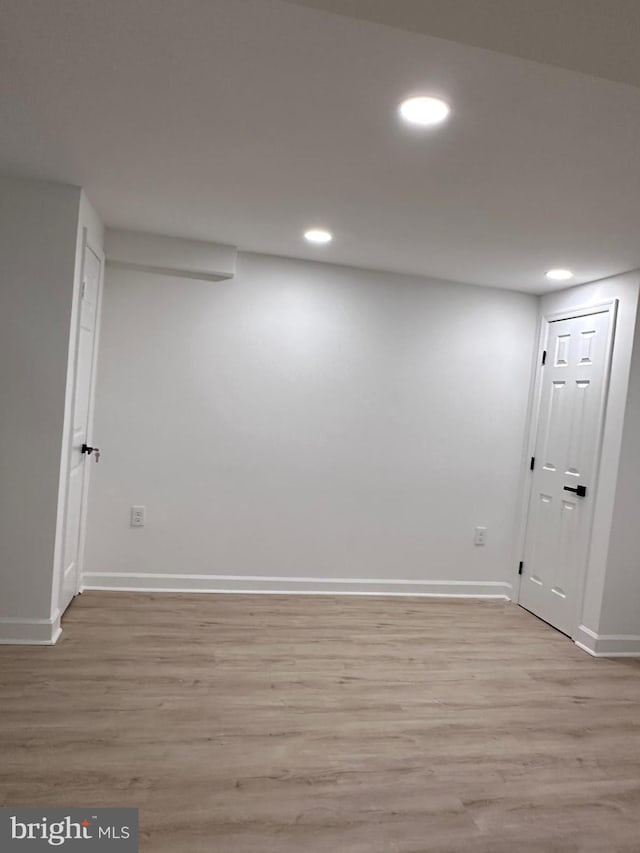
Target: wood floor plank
{"x": 274, "y": 724}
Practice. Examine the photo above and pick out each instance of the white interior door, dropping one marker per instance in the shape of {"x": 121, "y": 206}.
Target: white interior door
{"x": 569, "y": 425}
{"x": 82, "y": 454}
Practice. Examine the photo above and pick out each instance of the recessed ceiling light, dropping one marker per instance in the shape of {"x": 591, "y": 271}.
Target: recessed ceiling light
{"x": 318, "y": 235}
{"x": 559, "y": 275}
{"x": 424, "y": 111}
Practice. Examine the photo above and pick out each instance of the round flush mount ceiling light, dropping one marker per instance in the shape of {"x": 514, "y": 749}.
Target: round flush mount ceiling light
{"x": 424, "y": 111}
{"x": 319, "y": 236}
{"x": 559, "y": 274}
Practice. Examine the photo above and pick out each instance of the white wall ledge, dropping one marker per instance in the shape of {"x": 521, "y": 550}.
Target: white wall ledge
{"x": 29, "y": 632}
{"x": 162, "y": 582}
{"x": 175, "y": 256}
{"x": 608, "y": 645}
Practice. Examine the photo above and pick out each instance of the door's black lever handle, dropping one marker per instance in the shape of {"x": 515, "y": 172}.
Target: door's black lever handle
{"x": 581, "y": 491}
{"x": 89, "y": 450}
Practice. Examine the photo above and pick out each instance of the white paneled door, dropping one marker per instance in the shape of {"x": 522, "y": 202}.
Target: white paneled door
{"x": 571, "y": 412}
{"x": 82, "y": 453}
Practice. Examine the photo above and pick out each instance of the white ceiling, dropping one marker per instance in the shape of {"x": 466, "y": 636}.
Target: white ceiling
{"x": 244, "y": 121}
{"x": 597, "y": 37}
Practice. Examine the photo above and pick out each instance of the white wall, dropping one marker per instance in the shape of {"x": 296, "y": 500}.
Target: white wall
{"x": 611, "y": 512}
{"x": 310, "y": 423}
{"x": 38, "y": 225}
{"x": 620, "y": 614}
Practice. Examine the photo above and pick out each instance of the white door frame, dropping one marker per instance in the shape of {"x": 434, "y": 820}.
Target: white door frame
{"x": 98, "y": 252}
{"x": 543, "y": 327}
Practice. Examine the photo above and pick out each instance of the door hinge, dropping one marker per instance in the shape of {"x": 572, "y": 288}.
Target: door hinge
{"x": 533, "y": 463}
{"x": 544, "y": 357}
{"x": 520, "y": 567}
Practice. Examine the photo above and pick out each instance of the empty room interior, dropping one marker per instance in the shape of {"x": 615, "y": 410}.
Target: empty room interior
{"x": 320, "y": 425}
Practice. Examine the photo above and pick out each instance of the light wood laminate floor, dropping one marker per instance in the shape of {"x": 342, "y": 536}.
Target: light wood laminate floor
{"x": 312, "y": 724}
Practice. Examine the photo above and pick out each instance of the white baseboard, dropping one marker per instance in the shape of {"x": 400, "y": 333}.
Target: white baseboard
{"x": 608, "y": 645}
{"x": 29, "y": 632}
{"x": 143, "y": 582}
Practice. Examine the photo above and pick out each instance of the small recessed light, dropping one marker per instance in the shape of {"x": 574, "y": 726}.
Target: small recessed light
{"x": 559, "y": 275}
{"x": 424, "y": 111}
{"x": 318, "y": 235}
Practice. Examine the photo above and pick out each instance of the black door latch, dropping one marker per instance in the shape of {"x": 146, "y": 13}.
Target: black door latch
{"x": 89, "y": 450}
{"x": 580, "y": 491}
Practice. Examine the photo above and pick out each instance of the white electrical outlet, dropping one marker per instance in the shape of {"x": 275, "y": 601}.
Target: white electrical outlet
{"x": 137, "y": 516}
{"x": 480, "y": 536}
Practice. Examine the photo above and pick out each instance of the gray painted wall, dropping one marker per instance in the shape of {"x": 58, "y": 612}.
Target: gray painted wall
{"x": 308, "y": 421}
{"x": 38, "y": 230}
